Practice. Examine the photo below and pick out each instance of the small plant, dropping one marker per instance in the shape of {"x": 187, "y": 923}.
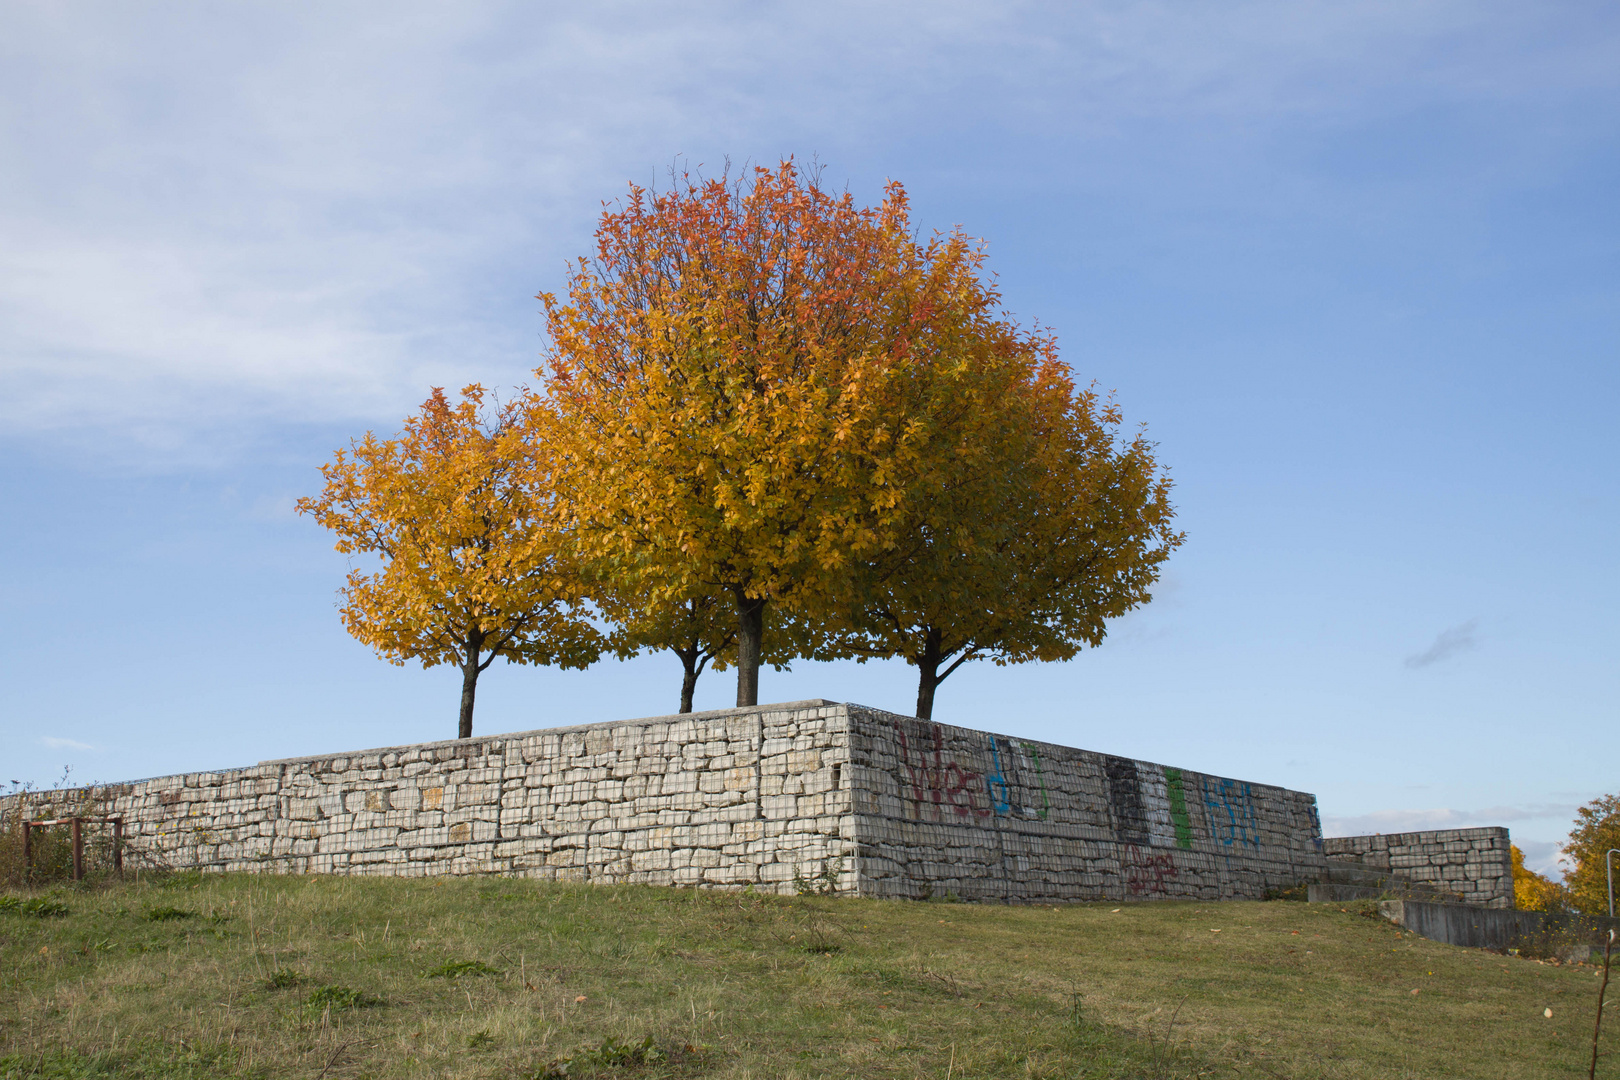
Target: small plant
{"x": 169, "y": 914}
{"x": 455, "y": 969}
{"x": 40, "y": 907}
{"x": 822, "y": 884}
{"x": 480, "y": 1040}
{"x": 338, "y": 998}
{"x": 283, "y": 979}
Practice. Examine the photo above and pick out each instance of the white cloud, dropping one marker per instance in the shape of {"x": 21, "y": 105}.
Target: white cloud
{"x": 225, "y": 215}
{"x": 64, "y": 744}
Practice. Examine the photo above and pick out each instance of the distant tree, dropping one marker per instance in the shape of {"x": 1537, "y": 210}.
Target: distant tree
{"x": 726, "y": 372}
{"x": 1597, "y": 829}
{"x": 473, "y": 566}
{"x": 1531, "y": 891}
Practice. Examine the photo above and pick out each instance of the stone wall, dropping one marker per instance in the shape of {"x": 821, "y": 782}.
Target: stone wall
{"x": 737, "y": 797}
{"x": 1473, "y": 864}
{"x": 878, "y": 804}
{"x": 943, "y": 809}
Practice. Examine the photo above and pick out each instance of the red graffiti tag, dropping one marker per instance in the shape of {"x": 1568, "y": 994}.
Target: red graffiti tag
{"x": 1146, "y": 874}
{"x": 943, "y": 783}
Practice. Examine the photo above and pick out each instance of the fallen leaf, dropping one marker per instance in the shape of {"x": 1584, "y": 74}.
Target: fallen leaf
{"x": 1214, "y": 930}
{"x": 1414, "y": 993}
{"x": 1116, "y": 911}
{"x": 579, "y": 999}
{"x": 1547, "y": 1013}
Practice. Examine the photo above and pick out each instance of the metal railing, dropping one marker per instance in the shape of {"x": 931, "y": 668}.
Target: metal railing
{"x": 77, "y": 823}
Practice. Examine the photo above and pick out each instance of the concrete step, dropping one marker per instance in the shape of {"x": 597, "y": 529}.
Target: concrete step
{"x": 1330, "y": 893}
{"x": 1343, "y": 879}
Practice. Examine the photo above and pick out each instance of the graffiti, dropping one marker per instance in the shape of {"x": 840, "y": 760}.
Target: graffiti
{"x": 1040, "y": 778}
{"x": 1125, "y": 799}
{"x": 1231, "y": 812}
{"x": 1006, "y": 788}
{"x": 941, "y": 784}
{"x": 1178, "y": 808}
{"x": 1146, "y": 875}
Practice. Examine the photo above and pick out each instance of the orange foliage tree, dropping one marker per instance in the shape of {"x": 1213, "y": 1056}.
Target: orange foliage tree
{"x": 473, "y": 564}
{"x": 732, "y": 379}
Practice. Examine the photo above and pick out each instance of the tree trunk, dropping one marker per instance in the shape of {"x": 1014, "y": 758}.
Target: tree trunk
{"x": 689, "y": 678}
{"x": 750, "y": 641}
{"x": 469, "y": 688}
{"x": 928, "y": 675}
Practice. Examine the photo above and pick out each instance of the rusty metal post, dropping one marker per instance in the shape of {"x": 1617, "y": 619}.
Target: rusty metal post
{"x": 78, "y": 849}
{"x": 118, "y": 847}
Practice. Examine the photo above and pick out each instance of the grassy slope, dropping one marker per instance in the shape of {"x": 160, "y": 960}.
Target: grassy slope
{"x": 762, "y": 986}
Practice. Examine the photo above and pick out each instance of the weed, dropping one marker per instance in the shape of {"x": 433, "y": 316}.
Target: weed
{"x": 1298, "y": 892}
{"x": 823, "y": 884}
{"x": 455, "y": 969}
{"x": 40, "y": 907}
{"x": 169, "y": 914}
{"x": 283, "y": 979}
{"x": 338, "y": 998}
{"x": 613, "y": 1054}
{"x": 480, "y": 1040}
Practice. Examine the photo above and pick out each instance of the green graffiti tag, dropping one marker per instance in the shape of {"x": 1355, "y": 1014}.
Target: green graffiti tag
{"x": 1178, "y": 808}
{"x": 1040, "y": 776}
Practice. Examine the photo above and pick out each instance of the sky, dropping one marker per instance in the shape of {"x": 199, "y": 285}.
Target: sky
{"x": 1355, "y": 265}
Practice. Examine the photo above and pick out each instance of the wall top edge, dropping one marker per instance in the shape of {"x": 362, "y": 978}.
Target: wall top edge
{"x": 1044, "y": 745}
{"x": 669, "y": 718}
{"x": 1472, "y": 832}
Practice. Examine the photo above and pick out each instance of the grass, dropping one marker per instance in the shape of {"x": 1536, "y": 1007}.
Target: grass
{"x": 355, "y": 977}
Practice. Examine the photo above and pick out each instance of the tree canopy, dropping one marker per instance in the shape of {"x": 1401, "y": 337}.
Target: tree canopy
{"x": 730, "y": 374}
{"x": 473, "y": 566}
{"x": 1596, "y": 831}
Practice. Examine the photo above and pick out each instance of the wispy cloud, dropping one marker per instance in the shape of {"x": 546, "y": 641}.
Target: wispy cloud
{"x": 64, "y": 744}
{"x": 217, "y": 216}
{"x": 1447, "y": 643}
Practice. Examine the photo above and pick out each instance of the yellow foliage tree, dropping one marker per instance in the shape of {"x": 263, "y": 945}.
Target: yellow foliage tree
{"x": 1531, "y": 891}
{"x": 473, "y": 565}
{"x": 1596, "y": 832}
{"x": 1045, "y": 525}
{"x": 730, "y": 379}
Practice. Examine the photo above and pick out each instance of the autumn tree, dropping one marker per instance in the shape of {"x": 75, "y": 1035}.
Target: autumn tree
{"x": 1532, "y": 891}
{"x": 473, "y": 567}
{"x": 725, "y": 372}
{"x": 1596, "y": 831}
{"x": 1050, "y": 525}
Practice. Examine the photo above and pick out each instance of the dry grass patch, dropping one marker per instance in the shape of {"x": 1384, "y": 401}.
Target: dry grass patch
{"x": 350, "y": 977}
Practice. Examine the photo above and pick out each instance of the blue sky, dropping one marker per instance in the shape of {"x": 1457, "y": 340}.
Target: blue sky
{"x": 1355, "y": 265}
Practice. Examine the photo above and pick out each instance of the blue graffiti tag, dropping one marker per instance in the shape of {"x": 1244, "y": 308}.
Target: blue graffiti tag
{"x": 1002, "y": 805}
{"x": 1231, "y": 811}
